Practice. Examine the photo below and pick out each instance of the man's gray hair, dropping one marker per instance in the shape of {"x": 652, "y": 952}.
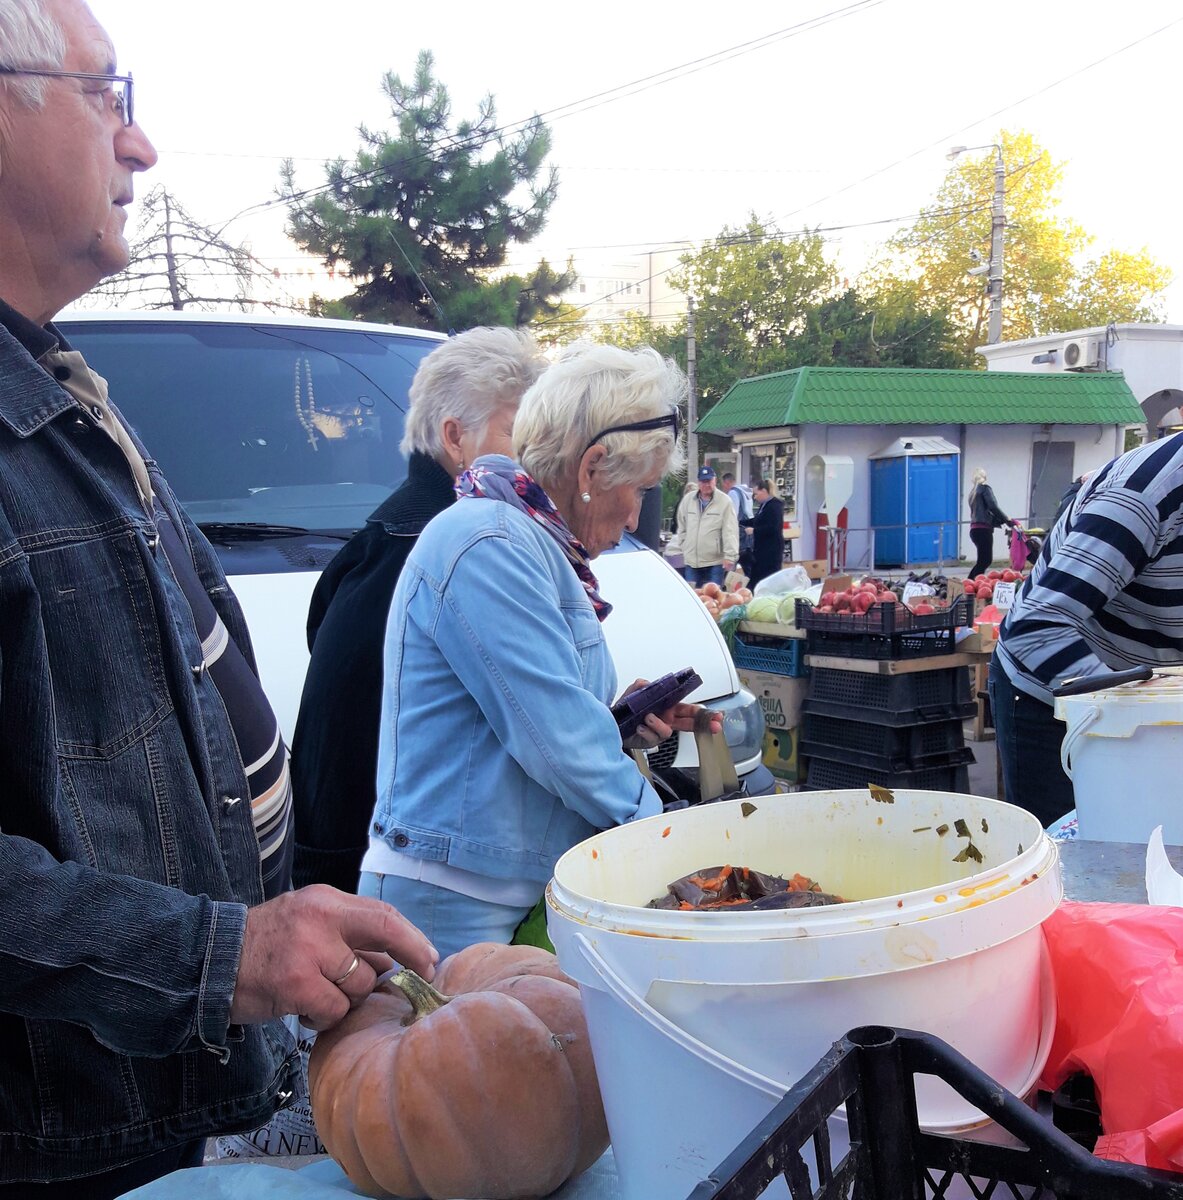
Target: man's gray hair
{"x": 29, "y": 37}
{"x": 469, "y": 377}
{"x": 589, "y": 389}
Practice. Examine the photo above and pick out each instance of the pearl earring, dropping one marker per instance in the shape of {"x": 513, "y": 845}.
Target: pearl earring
{"x": 586, "y": 497}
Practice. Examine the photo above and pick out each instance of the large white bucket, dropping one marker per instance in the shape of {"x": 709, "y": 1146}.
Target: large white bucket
{"x": 1122, "y": 751}
{"x": 699, "y": 1022}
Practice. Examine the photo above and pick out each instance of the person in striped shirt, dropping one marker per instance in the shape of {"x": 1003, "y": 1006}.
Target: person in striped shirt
{"x": 1105, "y": 594}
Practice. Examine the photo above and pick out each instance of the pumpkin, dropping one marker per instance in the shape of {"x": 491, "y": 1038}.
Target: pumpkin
{"x": 482, "y": 1085}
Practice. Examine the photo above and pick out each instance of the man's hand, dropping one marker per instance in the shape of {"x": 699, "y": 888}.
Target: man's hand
{"x": 299, "y": 951}
{"x": 727, "y": 565}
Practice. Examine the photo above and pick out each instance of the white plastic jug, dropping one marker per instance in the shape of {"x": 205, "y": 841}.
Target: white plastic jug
{"x": 699, "y": 1022}
{"x": 1122, "y": 750}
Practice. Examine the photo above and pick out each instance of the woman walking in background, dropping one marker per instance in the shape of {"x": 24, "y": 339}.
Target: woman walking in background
{"x": 984, "y": 517}
{"x": 768, "y": 533}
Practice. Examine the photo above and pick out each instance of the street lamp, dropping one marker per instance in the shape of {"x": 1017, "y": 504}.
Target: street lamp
{"x": 997, "y": 226}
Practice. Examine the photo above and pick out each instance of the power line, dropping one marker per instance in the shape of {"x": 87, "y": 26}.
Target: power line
{"x": 587, "y": 103}
{"x": 944, "y": 139}
{"x": 671, "y": 73}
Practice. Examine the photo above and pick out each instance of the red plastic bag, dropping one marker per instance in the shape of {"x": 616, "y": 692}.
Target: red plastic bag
{"x": 1119, "y": 993}
{"x": 1018, "y": 549}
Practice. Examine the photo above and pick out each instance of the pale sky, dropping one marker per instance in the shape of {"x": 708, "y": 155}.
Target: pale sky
{"x": 840, "y": 124}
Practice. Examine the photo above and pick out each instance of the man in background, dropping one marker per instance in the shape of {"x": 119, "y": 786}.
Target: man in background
{"x": 741, "y": 497}
{"x": 709, "y": 532}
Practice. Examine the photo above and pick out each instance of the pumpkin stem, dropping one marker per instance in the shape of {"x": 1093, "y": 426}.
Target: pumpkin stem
{"x": 423, "y": 997}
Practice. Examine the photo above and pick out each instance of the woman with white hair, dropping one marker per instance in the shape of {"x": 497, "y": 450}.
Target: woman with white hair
{"x": 464, "y": 398}
{"x": 984, "y": 517}
{"x": 498, "y": 751}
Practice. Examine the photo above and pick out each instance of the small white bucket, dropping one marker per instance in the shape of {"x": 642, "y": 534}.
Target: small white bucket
{"x": 699, "y": 1022}
{"x": 1122, "y": 751}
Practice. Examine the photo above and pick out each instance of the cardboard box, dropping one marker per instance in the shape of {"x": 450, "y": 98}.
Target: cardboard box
{"x": 780, "y": 697}
{"x": 987, "y": 635}
{"x": 815, "y": 568}
{"x": 780, "y": 755}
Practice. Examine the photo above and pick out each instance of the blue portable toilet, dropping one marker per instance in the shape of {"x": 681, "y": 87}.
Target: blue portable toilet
{"x": 914, "y": 501}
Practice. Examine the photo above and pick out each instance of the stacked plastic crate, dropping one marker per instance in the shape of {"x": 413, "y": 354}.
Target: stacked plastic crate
{"x": 771, "y": 665}
{"x": 864, "y": 723}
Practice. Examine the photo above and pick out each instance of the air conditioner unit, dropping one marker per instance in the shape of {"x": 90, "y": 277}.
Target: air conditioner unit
{"x": 1081, "y": 354}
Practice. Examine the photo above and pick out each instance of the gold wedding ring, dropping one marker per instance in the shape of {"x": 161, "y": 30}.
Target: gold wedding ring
{"x": 352, "y": 968}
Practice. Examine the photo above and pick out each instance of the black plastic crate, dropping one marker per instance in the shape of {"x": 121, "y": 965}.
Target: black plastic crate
{"x": 778, "y": 656}
{"x": 884, "y": 747}
{"x": 830, "y": 774}
{"x": 872, "y": 1072}
{"x": 906, "y": 699}
{"x": 884, "y": 631}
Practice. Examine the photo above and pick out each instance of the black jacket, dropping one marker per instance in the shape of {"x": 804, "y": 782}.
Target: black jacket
{"x": 335, "y": 748}
{"x": 983, "y": 508}
{"x": 768, "y": 539}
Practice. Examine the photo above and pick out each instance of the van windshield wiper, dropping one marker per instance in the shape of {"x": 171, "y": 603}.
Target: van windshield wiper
{"x": 257, "y": 531}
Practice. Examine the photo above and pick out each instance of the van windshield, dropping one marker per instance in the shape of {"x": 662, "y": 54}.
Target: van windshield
{"x": 261, "y": 424}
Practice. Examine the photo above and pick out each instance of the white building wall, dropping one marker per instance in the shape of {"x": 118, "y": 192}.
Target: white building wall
{"x": 1004, "y": 451}
{"x": 1149, "y": 356}
{"x": 608, "y": 289}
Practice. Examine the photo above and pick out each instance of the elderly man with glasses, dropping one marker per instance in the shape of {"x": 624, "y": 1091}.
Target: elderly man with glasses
{"x": 149, "y": 938}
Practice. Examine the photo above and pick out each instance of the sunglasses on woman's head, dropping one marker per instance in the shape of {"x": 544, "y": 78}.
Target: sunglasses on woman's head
{"x": 671, "y": 420}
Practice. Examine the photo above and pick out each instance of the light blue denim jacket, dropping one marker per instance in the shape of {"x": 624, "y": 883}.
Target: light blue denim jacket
{"x": 497, "y": 750}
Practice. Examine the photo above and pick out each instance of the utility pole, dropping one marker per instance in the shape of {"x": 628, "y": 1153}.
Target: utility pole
{"x": 997, "y": 226}
{"x": 692, "y": 398}
{"x": 997, "y": 233}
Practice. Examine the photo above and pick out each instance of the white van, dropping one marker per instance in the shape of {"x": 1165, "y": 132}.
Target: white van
{"x": 280, "y": 435}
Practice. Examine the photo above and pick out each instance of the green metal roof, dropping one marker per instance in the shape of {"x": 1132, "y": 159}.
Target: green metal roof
{"x": 897, "y": 396}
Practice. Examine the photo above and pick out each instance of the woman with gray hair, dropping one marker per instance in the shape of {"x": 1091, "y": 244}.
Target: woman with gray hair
{"x": 498, "y": 751}
{"x": 464, "y": 398}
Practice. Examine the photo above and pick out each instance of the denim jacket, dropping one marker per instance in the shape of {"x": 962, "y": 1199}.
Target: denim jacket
{"x": 124, "y": 870}
{"x": 497, "y": 750}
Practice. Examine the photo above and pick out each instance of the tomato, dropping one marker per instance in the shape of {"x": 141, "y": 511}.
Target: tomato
{"x": 970, "y": 587}
{"x": 922, "y": 609}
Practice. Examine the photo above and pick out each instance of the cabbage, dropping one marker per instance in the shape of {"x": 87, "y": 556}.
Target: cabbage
{"x": 786, "y": 611}
{"x": 763, "y": 608}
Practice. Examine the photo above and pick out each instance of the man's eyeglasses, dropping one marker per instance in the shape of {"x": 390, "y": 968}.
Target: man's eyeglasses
{"x": 121, "y": 98}
{"x": 672, "y": 421}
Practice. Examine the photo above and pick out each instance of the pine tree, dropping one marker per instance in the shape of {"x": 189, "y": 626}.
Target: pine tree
{"x": 422, "y": 218}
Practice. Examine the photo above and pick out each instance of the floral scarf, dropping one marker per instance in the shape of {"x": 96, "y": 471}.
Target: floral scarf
{"x": 496, "y": 477}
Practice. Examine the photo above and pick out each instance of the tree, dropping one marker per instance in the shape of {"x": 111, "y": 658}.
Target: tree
{"x": 423, "y": 217}
{"x": 1049, "y": 282}
{"x": 176, "y": 262}
{"x": 753, "y": 290}
{"x": 767, "y": 302}
{"x": 886, "y": 329}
